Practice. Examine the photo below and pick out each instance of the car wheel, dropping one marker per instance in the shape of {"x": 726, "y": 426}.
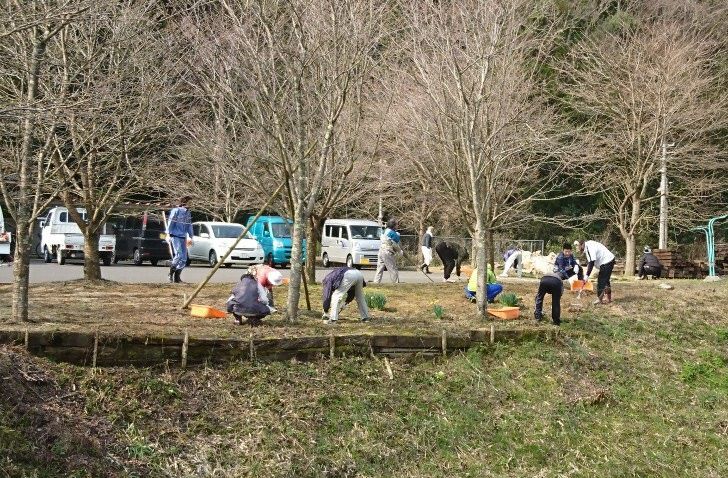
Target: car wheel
{"x": 212, "y": 258}
{"x": 154, "y": 262}
{"x": 349, "y": 261}
{"x": 189, "y": 261}
{"x": 138, "y": 258}
{"x": 269, "y": 260}
{"x": 106, "y": 259}
{"x": 325, "y": 260}
{"x": 61, "y": 258}
{"x": 114, "y": 257}
{"x": 47, "y": 256}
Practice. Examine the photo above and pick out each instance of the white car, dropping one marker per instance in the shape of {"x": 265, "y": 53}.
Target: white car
{"x": 62, "y": 238}
{"x": 211, "y": 240}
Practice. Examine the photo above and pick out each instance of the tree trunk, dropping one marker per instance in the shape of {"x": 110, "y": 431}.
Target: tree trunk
{"x": 313, "y": 235}
{"x": 91, "y": 266}
{"x": 481, "y": 262}
{"x": 21, "y": 275}
{"x": 629, "y": 256}
{"x": 294, "y": 288}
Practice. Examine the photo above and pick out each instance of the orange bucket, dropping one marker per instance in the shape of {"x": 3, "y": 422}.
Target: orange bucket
{"x": 578, "y": 285}
{"x": 206, "y": 312}
{"x": 505, "y": 313}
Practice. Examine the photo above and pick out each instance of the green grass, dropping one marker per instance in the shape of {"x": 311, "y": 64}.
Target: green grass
{"x": 376, "y": 301}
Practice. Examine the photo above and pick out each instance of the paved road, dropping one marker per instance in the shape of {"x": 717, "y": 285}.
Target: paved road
{"x": 129, "y": 273}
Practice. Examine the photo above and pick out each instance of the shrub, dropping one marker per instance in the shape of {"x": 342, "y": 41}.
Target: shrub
{"x": 376, "y": 301}
{"x": 509, "y": 300}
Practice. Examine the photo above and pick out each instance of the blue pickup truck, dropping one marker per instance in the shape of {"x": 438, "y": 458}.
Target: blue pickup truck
{"x": 274, "y": 234}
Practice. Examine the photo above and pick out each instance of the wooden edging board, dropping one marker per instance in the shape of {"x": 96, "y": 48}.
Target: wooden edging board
{"x": 103, "y": 350}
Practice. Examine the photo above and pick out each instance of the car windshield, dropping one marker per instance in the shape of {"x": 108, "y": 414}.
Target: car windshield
{"x": 281, "y": 229}
{"x": 228, "y": 231}
{"x": 365, "y": 232}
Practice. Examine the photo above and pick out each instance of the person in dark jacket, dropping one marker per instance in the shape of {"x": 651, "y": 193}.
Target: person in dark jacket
{"x": 452, "y": 256}
{"x": 426, "y": 251}
{"x": 347, "y": 284}
{"x": 566, "y": 265}
{"x": 251, "y": 298}
{"x": 649, "y": 265}
{"x": 550, "y": 284}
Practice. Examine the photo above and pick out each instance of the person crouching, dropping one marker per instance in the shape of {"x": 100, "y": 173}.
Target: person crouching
{"x": 493, "y": 288}
{"x": 252, "y": 296}
{"x": 339, "y": 287}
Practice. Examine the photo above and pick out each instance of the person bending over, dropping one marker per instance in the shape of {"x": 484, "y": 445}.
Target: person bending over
{"x": 339, "y": 287}
{"x": 493, "y": 287}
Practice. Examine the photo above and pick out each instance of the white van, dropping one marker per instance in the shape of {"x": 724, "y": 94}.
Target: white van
{"x": 354, "y": 242}
{"x": 5, "y": 240}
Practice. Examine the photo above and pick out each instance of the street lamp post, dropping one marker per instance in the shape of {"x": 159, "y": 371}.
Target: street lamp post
{"x": 662, "y": 242}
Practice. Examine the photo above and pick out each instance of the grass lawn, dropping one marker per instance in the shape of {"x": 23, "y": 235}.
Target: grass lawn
{"x": 639, "y": 388}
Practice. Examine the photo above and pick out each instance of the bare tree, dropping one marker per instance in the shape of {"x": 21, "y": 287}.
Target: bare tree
{"x": 470, "y": 112}
{"x": 33, "y": 96}
{"x": 112, "y": 62}
{"x": 300, "y": 67}
{"x": 651, "y": 82}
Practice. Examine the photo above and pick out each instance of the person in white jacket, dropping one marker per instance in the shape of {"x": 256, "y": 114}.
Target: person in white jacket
{"x": 426, "y": 251}
{"x": 598, "y": 255}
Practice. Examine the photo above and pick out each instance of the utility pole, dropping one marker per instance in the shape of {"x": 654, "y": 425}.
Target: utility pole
{"x": 662, "y": 243}
{"x": 380, "y": 216}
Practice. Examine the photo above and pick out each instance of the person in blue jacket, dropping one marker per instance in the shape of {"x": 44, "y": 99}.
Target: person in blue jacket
{"x": 566, "y": 265}
{"x": 179, "y": 229}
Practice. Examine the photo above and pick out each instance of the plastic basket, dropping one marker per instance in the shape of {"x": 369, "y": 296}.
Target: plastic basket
{"x": 505, "y": 313}
{"x": 206, "y": 312}
{"x": 578, "y": 285}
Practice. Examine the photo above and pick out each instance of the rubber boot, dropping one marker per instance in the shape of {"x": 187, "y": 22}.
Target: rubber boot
{"x": 608, "y": 293}
{"x": 171, "y": 273}
{"x": 177, "y": 278}
{"x": 427, "y": 269}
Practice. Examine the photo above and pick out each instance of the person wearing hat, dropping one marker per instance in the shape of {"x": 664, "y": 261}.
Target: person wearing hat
{"x": 179, "y": 235}
{"x": 426, "y": 251}
{"x": 649, "y": 265}
{"x": 598, "y": 255}
{"x": 389, "y": 248}
{"x": 339, "y": 287}
{"x": 252, "y": 296}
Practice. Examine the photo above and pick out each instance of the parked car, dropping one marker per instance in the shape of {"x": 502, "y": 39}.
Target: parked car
{"x": 211, "y": 240}
{"x": 61, "y": 238}
{"x": 5, "y": 240}
{"x": 140, "y": 237}
{"x": 354, "y": 242}
{"x": 274, "y": 234}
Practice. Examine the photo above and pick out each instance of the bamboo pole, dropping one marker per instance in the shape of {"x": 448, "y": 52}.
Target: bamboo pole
{"x": 185, "y": 346}
{"x": 221, "y": 261}
{"x": 444, "y": 343}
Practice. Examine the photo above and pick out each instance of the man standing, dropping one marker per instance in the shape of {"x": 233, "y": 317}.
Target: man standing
{"x": 179, "y": 228}
{"x": 598, "y": 255}
{"x": 339, "y": 287}
{"x": 426, "y": 251}
{"x": 649, "y": 265}
{"x": 550, "y": 284}
{"x": 389, "y": 248}
{"x": 451, "y": 255}
{"x": 566, "y": 265}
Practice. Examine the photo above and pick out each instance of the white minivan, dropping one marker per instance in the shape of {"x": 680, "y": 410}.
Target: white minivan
{"x": 354, "y": 242}
{"x": 5, "y": 240}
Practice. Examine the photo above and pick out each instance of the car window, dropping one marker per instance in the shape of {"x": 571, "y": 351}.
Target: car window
{"x": 365, "y": 232}
{"x": 63, "y": 217}
{"x": 344, "y": 232}
{"x": 281, "y": 229}
{"x": 196, "y": 230}
{"x": 228, "y": 231}
{"x": 154, "y": 224}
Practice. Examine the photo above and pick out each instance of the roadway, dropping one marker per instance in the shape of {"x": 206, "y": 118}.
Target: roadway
{"x": 41, "y": 272}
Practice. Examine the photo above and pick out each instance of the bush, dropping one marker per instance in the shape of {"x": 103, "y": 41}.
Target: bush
{"x": 376, "y": 301}
{"x": 439, "y": 311}
{"x": 509, "y": 300}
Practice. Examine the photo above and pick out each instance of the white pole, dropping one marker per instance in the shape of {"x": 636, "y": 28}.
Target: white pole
{"x": 663, "y": 198}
